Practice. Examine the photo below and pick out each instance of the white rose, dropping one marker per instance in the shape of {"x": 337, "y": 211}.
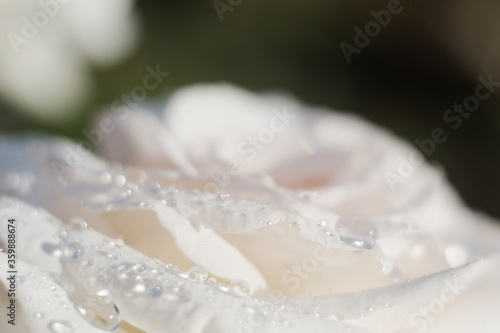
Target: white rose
{"x": 231, "y": 212}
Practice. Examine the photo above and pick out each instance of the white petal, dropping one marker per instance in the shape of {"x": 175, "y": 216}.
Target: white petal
{"x": 45, "y": 305}
{"x": 141, "y": 137}
{"x": 209, "y": 250}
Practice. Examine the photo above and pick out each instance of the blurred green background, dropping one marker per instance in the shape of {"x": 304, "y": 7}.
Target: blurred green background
{"x": 424, "y": 61}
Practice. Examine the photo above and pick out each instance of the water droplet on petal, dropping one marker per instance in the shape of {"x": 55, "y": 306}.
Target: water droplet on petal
{"x": 224, "y": 195}
{"x": 63, "y": 234}
{"x": 100, "y": 311}
{"x": 155, "y": 187}
{"x": 74, "y": 250}
{"x": 322, "y": 223}
{"x": 156, "y": 291}
{"x": 198, "y": 273}
{"x": 356, "y": 242}
{"x": 62, "y": 327}
{"x": 368, "y": 243}
{"x": 121, "y": 195}
{"x": 387, "y": 266}
{"x": 107, "y": 318}
{"x": 82, "y": 310}
{"x": 140, "y": 268}
{"x": 212, "y": 280}
{"x": 184, "y": 297}
{"x": 239, "y": 288}
{"x": 78, "y": 224}
{"x": 120, "y": 180}
{"x": 104, "y": 296}
{"x": 170, "y": 202}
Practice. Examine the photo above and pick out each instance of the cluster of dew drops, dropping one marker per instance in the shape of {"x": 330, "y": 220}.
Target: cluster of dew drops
{"x": 141, "y": 279}
{"x": 145, "y": 278}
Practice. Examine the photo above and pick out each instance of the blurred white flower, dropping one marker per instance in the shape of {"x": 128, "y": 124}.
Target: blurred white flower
{"x": 232, "y": 212}
{"x": 48, "y": 48}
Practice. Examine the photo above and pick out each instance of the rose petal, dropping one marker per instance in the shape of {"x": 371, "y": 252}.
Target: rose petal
{"x": 45, "y": 305}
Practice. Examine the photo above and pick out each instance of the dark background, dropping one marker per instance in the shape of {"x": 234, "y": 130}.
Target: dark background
{"x": 427, "y": 58}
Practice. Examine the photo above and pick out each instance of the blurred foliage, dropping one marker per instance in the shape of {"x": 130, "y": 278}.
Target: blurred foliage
{"x": 404, "y": 79}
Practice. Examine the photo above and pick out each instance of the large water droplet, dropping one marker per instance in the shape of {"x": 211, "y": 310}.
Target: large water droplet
{"x": 100, "y": 311}
{"x": 120, "y": 180}
{"x": 108, "y": 318}
{"x": 198, "y": 273}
